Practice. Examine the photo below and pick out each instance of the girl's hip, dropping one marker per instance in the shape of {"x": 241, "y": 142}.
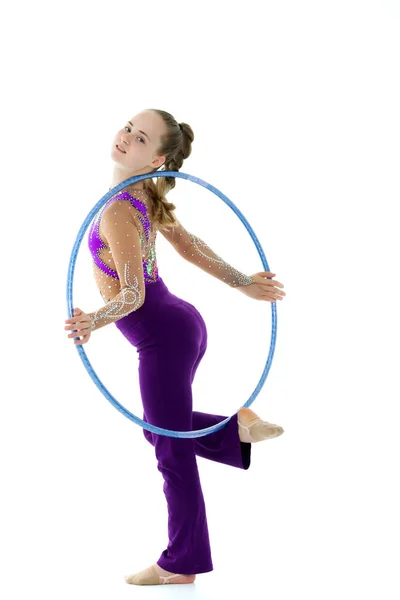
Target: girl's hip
{"x": 163, "y": 317}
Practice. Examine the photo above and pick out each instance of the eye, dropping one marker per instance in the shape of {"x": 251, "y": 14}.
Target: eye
{"x": 140, "y": 138}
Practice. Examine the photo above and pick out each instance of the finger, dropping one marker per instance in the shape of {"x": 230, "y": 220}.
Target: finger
{"x": 74, "y": 333}
{"x": 74, "y": 328}
{"x": 82, "y": 331}
{"x": 272, "y": 296}
{"x": 77, "y": 324}
{"x": 278, "y": 293}
{"x": 73, "y": 319}
{"x": 273, "y": 284}
{"x": 80, "y": 336}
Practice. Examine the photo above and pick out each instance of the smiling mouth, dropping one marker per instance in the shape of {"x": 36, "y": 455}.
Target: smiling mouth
{"x": 120, "y": 150}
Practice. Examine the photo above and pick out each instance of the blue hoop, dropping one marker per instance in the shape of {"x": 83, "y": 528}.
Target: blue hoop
{"x": 81, "y": 351}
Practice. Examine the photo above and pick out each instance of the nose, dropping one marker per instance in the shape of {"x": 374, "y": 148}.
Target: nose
{"x": 124, "y": 138}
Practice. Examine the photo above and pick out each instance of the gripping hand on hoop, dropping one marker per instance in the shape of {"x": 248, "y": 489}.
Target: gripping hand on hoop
{"x": 80, "y": 324}
{"x": 263, "y": 287}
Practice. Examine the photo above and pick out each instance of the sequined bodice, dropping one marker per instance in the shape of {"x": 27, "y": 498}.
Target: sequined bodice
{"x": 122, "y": 244}
{"x": 102, "y": 255}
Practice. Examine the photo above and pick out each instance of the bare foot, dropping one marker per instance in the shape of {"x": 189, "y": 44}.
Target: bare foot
{"x": 258, "y": 429}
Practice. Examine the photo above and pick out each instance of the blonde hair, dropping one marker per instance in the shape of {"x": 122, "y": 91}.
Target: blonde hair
{"x": 176, "y": 146}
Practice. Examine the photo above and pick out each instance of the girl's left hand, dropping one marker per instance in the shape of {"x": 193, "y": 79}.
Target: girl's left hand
{"x": 80, "y": 322}
{"x": 264, "y": 287}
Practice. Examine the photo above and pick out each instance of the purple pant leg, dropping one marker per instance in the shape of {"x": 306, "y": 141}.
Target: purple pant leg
{"x": 167, "y": 401}
{"x": 223, "y": 446}
{"x": 170, "y": 337}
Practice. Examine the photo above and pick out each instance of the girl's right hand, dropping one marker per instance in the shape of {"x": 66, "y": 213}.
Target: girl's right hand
{"x": 263, "y": 288}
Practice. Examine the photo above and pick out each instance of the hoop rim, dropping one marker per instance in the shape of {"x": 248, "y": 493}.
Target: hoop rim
{"x": 80, "y": 349}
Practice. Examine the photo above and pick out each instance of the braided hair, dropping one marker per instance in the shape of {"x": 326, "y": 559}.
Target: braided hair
{"x": 176, "y": 146}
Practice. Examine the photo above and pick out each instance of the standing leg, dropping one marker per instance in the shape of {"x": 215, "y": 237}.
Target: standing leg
{"x": 167, "y": 403}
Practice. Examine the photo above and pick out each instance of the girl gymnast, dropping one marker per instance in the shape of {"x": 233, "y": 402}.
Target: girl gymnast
{"x": 169, "y": 333}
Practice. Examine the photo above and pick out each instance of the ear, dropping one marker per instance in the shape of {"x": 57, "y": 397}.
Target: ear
{"x": 158, "y": 162}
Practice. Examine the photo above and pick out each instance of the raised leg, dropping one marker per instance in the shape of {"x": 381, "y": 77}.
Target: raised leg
{"x": 223, "y": 446}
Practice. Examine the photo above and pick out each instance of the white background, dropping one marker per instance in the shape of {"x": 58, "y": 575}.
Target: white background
{"x": 295, "y": 110}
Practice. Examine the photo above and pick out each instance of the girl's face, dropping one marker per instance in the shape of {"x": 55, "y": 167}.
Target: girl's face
{"x": 139, "y": 138}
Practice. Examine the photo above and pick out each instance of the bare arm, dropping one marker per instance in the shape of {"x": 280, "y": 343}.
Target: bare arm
{"x": 196, "y": 251}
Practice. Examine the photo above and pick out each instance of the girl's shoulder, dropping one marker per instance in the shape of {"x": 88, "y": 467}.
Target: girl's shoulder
{"x": 133, "y": 193}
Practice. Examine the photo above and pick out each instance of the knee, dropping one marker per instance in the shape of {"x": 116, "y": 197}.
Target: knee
{"x": 175, "y": 453}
